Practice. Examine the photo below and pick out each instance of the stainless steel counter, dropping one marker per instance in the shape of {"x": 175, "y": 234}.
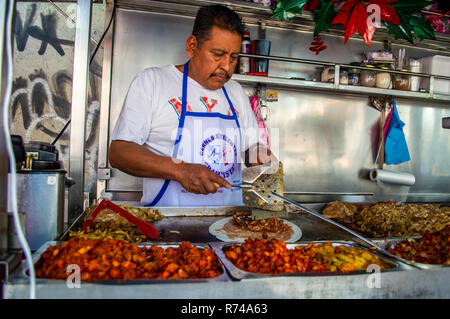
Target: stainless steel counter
{"x": 413, "y": 283}
{"x": 432, "y": 283}
{"x": 195, "y": 229}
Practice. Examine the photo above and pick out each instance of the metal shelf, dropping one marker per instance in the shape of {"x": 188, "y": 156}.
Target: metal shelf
{"x": 336, "y": 87}
{"x": 255, "y": 13}
{"x": 353, "y": 89}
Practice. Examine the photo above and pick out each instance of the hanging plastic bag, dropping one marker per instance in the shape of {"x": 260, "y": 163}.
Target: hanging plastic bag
{"x": 254, "y": 102}
{"x": 395, "y": 148}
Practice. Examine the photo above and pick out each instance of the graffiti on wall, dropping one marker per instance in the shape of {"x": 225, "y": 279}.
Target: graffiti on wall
{"x": 46, "y": 34}
{"x": 41, "y": 96}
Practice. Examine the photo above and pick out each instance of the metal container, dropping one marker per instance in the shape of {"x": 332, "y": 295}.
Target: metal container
{"x": 391, "y": 243}
{"x": 40, "y": 195}
{"x": 221, "y": 278}
{"x": 239, "y": 274}
{"x": 13, "y": 239}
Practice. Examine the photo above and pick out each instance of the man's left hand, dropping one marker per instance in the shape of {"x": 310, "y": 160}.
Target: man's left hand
{"x": 258, "y": 155}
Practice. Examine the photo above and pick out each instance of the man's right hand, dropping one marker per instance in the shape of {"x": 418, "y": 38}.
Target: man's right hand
{"x": 199, "y": 179}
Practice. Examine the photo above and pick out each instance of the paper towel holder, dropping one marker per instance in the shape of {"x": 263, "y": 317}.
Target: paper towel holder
{"x": 390, "y": 177}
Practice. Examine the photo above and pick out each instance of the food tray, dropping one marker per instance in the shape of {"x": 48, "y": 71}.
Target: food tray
{"x": 391, "y": 243}
{"x": 36, "y": 255}
{"x": 238, "y": 274}
{"x": 167, "y": 212}
{"x": 321, "y": 207}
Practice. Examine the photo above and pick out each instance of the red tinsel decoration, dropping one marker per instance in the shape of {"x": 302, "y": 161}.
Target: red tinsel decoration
{"x": 317, "y": 45}
{"x": 353, "y": 15}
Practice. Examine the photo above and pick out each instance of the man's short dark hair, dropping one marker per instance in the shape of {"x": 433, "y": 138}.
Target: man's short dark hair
{"x": 219, "y": 16}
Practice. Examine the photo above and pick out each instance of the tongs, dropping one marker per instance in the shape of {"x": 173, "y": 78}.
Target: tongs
{"x": 146, "y": 228}
{"x": 371, "y": 244}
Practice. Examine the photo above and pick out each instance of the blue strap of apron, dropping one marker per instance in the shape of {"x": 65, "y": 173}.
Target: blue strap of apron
{"x": 232, "y": 109}
{"x": 179, "y": 133}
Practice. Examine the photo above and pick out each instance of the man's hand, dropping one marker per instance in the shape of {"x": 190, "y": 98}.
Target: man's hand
{"x": 258, "y": 155}
{"x": 199, "y": 179}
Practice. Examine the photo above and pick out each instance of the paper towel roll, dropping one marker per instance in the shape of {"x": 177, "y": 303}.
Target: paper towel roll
{"x": 389, "y": 177}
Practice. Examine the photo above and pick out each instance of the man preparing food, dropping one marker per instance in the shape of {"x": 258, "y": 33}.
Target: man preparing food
{"x": 189, "y": 147}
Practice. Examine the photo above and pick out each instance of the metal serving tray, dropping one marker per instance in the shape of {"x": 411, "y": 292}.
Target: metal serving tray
{"x": 167, "y": 212}
{"x": 221, "y": 278}
{"x": 391, "y": 243}
{"x": 238, "y": 274}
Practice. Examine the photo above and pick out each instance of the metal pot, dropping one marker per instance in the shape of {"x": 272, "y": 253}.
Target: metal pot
{"x": 40, "y": 195}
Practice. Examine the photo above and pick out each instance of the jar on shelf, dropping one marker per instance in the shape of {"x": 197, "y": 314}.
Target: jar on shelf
{"x": 368, "y": 77}
{"x": 401, "y": 81}
{"x": 353, "y": 77}
{"x": 354, "y": 74}
{"x": 343, "y": 77}
{"x": 383, "y": 79}
{"x": 330, "y": 78}
{"x": 327, "y": 74}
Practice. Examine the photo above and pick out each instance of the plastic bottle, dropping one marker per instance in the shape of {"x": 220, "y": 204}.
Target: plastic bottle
{"x": 415, "y": 66}
{"x": 244, "y": 62}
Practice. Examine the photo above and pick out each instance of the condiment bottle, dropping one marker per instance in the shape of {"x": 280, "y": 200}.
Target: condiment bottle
{"x": 415, "y": 66}
{"x": 367, "y": 77}
{"x": 244, "y": 62}
{"x": 401, "y": 81}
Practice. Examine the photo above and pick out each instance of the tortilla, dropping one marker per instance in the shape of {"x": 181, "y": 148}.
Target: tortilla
{"x": 227, "y": 230}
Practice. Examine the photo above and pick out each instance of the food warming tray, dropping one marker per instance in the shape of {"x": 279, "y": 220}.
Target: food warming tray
{"x": 36, "y": 255}
{"x": 391, "y": 243}
{"x": 238, "y": 274}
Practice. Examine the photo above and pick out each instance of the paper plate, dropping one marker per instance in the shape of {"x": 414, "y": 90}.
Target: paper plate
{"x": 216, "y": 230}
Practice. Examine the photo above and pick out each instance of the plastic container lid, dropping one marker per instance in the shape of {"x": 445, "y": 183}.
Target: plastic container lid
{"x": 344, "y": 72}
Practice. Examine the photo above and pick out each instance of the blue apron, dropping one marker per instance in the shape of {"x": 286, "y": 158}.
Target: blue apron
{"x": 211, "y": 139}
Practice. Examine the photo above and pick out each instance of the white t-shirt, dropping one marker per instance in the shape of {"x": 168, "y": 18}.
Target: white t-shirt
{"x": 151, "y": 110}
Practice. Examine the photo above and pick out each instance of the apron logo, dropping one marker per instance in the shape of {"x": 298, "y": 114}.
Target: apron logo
{"x": 219, "y": 154}
{"x": 176, "y": 104}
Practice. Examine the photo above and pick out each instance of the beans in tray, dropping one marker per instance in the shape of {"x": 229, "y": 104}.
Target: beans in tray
{"x": 273, "y": 257}
{"x": 389, "y": 219}
{"x": 116, "y": 259}
{"x": 432, "y": 248}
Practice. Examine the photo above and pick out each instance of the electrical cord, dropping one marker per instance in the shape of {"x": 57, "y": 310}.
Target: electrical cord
{"x": 113, "y": 14}
{"x": 12, "y": 160}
